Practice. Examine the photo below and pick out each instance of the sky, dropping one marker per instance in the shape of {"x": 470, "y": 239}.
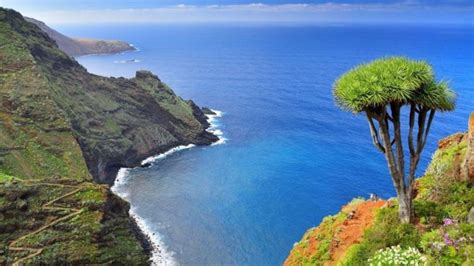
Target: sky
{"x": 247, "y": 11}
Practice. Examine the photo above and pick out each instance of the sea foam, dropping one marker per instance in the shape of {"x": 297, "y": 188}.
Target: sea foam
{"x": 160, "y": 254}
{"x": 127, "y": 61}
{"x": 214, "y": 127}
{"x": 160, "y": 156}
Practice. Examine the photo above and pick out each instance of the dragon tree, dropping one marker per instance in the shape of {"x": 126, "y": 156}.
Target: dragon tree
{"x": 382, "y": 89}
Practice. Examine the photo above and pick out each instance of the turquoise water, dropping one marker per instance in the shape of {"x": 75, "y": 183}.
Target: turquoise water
{"x": 292, "y": 157}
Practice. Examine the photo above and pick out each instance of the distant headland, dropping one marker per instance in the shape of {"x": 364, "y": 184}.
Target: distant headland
{"x": 82, "y": 46}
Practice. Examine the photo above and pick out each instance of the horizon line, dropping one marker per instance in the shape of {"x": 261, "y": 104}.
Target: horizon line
{"x": 403, "y": 12}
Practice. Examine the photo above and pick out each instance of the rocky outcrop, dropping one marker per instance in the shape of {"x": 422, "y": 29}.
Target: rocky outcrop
{"x": 469, "y": 162}
{"x": 82, "y": 46}
{"x": 117, "y": 122}
{"x": 328, "y": 243}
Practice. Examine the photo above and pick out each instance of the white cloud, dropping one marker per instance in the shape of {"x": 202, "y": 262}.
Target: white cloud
{"x": 256, "y": 12}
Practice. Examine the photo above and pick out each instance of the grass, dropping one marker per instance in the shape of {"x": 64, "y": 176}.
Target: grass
{"x": 5, "y": 177}
{"x": 91, "y": 198}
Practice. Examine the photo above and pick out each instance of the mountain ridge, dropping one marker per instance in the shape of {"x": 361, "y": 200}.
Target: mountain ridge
{"x": 82, "y": 46}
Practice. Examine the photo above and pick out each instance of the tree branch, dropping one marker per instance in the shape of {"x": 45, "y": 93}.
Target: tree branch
{"x": 393, "y": 141}
{"x": 374, "y": 132}
{"x": 410, "y": 132}
{"x": 389, "y": 156}
{"x": 421, "y": 130}
{"x": 398, "y": 141}
{"x": 430, "y": 119}
{"x": 415, "y": 158}
{"x": 386, "y": 117}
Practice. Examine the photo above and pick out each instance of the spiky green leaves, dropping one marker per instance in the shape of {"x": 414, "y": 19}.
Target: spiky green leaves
{"x": 436, "y": 96}
{"x": 394, "y": 79}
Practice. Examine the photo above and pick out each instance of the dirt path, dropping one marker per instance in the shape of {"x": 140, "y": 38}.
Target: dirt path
{"x": 46, "y": 206}
{"x": 352, "y": 230}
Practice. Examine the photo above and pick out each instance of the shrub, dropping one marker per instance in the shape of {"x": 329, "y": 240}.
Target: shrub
{"x": 385, "y": 232}
{"x": 451, "y": 244}
{"x": 429, "y": 212}
{"x": 396, "y": 255}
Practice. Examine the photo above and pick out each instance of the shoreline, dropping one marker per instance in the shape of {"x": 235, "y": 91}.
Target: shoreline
{"x": 125, "y": 51}
{"x": 152, "y": 241}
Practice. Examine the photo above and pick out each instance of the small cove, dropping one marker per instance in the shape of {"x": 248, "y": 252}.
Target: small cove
{"x": 292, "y": 157}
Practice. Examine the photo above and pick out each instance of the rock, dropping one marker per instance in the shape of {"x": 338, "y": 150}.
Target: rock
{"x": 373, "y": 197}
{"x": 145, "y": 165}
{"x": 351, "y": 214}
{"x": 144, "y": 74}
{"x": 208, "y": 111}
{"x": 22, "y": 205}
{"x": 455, "y": 138}
{"x": 198, "y": 113}
{"x": 14, "y": 194}
{"x": 469, "y": 161}
{"x": 470, "y": 216}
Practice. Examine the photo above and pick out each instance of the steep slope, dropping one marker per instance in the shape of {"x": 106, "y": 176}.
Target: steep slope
{"x": 117, "y": 122}
{"x": 61, "y": 129}
{"x": 78, "y": 46}
{"x": 443, "y": 230}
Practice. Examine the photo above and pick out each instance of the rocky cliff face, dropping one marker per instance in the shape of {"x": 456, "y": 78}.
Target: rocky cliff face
{"x": 468, "y": 166}
{"x": 61, "y": 128}
{"x": 117, "y": 122}
{"x": 78, "y": 46}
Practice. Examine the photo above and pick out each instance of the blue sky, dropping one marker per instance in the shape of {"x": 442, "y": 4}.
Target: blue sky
{"x": 242, "y": 11}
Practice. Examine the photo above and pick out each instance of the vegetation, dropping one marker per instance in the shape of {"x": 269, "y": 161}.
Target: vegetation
{"x": 397, "y": 256}
{"x": 380, "y": 89}
{"x": 441, "y": 231}
{"x": 385, "y": 232}
{"x": 64, "y": 221}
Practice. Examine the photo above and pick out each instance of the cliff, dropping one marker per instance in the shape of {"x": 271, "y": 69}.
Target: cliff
{"x": 64, "y": 133}
{"x": 443, "y": 209}
{"x": 81, "y": 46}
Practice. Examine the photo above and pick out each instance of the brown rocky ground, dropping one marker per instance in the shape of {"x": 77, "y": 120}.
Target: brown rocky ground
{"x": 342, "y": 231}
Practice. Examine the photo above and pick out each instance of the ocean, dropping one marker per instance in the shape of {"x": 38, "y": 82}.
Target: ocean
{"x": 290, "y": 156}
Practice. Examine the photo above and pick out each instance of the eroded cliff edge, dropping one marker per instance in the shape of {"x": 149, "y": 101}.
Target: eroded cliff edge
{"x": 444, "y": 211}
{"x": 63, "y": 133}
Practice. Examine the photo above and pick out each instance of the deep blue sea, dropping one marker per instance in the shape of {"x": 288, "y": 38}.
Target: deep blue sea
{"x": 292, "y": 157}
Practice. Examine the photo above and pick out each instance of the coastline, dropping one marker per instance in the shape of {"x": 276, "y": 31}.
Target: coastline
{"x": 152, "y": 241}
{"x": 214, "y": 127}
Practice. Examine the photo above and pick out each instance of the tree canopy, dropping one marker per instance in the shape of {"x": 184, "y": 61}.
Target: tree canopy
{"x": 380, "y": 89}
{"x": 392, "y": 80}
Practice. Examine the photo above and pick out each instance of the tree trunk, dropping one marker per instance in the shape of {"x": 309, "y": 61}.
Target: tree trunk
{"x": 398, "y": 177}
{"x": 405, "y": 211}
{"x": 395, "y": 156}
